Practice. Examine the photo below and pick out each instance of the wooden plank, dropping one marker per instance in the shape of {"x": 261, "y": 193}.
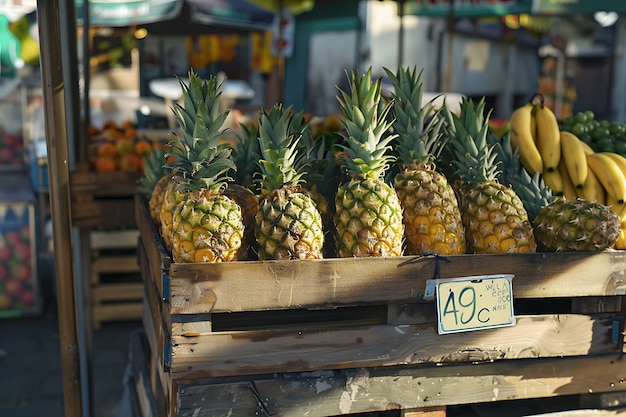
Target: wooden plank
{"x": 425, "y": 412}
{"x": 103, "y": 213}
{"x": 84, "y": 182}
{"x": 198, "y": 353}
{"x": 117, "y": 292}
{"x": 118, "y": 311}
{"x": 324, "y": 393}
{"x": 115, "y": 264}
{"x": 113, "y": 239}
{"x": 159, "y": 261}
{"x": 200, "y": 288}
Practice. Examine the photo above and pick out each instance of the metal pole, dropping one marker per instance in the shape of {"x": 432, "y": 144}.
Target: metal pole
{"x": 56, "y": 143}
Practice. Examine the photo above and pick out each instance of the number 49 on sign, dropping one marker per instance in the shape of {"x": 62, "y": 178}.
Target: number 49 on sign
{"x": 474, "y": 303}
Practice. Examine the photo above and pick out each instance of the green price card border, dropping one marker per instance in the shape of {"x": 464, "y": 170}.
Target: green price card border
{"x": 435, "y": 283}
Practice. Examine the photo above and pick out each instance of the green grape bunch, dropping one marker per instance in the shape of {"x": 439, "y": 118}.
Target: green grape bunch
{"x": 601, "y": 135}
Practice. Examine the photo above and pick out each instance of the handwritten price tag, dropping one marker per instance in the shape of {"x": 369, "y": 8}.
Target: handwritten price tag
{"x": 474, "y": 303}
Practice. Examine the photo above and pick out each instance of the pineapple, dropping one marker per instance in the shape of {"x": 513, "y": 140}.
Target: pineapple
{"x": 531, "y": 190}
{"x": 207, "y": 225}
{"x": 368, "y": 213}
{"x": 494, "y": 217}
{"x": 288, "y": 224}
{"x": 576, "y": 225}
{"x": 431, "y": 211}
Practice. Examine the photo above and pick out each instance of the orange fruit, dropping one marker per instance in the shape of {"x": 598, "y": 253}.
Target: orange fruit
{"x": 142, "y": 147}
{"x": 125, "y": 146}
{"x": 130, "y": 163}
{"x": 105, "y": 164}
{"x": 107, "y": 149}
{"x": 127, "y": 125}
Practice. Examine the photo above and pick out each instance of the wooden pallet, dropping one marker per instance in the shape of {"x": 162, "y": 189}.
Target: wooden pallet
{"x": 346, "y": 336}
{"x": 116, "y": 286}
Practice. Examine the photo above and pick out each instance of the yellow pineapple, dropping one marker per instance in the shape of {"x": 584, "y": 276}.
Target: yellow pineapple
{"x": 431, "y": 211}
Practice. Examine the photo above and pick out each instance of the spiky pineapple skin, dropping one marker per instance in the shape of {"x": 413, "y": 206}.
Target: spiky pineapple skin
{"x": 495, "y": 220}
{"x": 576, "y": 225}
{"x": 171, "y": 199}
{"x": 288, "y": 226}
{"x": 157, "y": 197}
{"x": 431, "y": 212}
{"x": 368, "y": 219}
{"x": 207, "y": 227}
{"x": 249, "y": 204}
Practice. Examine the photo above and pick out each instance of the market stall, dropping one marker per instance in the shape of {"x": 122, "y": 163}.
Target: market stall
{"x": 343, "y": 336}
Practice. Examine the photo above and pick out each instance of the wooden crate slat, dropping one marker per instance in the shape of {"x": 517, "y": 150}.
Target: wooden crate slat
{"x": 325, "y": 393}
{"x": 196, "y": 354}
{"x": 117, "y": 292}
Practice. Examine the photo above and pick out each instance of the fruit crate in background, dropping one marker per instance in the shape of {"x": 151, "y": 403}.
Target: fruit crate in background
{"x": 102, "y": 199}
{"x": 342, "y": 336}
{"x": 19, "y": 284}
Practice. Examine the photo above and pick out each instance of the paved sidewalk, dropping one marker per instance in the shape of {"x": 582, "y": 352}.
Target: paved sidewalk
{"x": 31, "y": 384}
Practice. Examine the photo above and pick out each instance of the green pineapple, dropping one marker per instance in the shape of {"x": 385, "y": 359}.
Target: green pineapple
{"x": 576, "y": 225}
{"x": 207, "y": 225}
{"x": 288, "y": 224}
{"x": 494, "y": 217}
{"x": 431, "y": 211}
{"x": 368, "y": 213}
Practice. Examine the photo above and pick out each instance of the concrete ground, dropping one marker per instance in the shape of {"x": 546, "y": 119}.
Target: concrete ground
{"x": 30, "y": 364}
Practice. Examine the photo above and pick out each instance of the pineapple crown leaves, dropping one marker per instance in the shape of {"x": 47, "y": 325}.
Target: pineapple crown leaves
{"x": 531, "y": 190}
{"x": 246, "y": 153}
{"x": 200, "y": 160}
{"x": 474, "y": 158}
{"x": 366, "y": 127}
{"x": 420, "y": 130}
{"x": 280, "y": 132}
{"x": 153, "y": 169}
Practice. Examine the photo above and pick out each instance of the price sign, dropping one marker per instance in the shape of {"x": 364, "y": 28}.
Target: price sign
{"x": 474, "y": 303}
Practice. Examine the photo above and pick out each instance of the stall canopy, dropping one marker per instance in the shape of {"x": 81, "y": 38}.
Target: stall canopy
{"x": 468, "y": 8}
{"x": 238, "y": 14}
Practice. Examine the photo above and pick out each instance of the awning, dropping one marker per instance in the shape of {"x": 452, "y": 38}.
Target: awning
{"x": 470, "y": 8}
{"x": 237, "y": 14}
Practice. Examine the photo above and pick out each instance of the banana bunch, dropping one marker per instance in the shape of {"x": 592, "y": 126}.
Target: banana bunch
{"x": 534, "y": 129}
{"x": 568, "y": 165}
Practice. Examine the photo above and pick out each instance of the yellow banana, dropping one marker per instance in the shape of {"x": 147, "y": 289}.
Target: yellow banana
{"x": 569, "y": 191}
{"x": 575, "y": 159}
{"x": 621, "y": 240}
{"x": 548, "y": 137}
{"x": 619, "y": 209}
{"x": 592, "y": 189}
{"x": 521, "y": 134}
{"x": 554, "y": 181}
{"x": 588, "y": 149}
{"x": 609, "y": 174}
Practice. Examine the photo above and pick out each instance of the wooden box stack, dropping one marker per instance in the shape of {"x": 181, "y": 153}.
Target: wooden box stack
{"x": 103, "y": 207}
{"x": 116, "y": 285}
{"x": 345, "y": 336}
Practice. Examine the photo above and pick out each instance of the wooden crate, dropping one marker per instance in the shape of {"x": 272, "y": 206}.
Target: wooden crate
{"x": 116, "y": 286}
{"x": 343, "y": 336}
{"x": 102, "y": 199}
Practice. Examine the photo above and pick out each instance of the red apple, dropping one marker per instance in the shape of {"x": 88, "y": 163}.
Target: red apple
{"x": 22, "y": 251}
{"x": 5, "y": 252}
{"x": 3, "y": 273}
{"x": 12, "y": 288}
{"x": 27, "y": 297}
{"x": 20, "y": 272}
{"x": 12, "y": 236}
